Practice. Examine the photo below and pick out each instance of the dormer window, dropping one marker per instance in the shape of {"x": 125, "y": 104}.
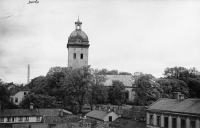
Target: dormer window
{"x": 26, "y": 118}
{"x": 37, "y": 119}
{"x": 20, "y": 119}
{"x": 2, "y": 119}
{"x": 8, "y": 119}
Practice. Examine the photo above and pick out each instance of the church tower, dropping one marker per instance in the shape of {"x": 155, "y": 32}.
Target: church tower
{"x": 78, "y": 46}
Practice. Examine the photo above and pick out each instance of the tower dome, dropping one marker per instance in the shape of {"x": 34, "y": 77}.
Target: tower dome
{"x": 78, "y": 47}
{"x": 78, "y": 37}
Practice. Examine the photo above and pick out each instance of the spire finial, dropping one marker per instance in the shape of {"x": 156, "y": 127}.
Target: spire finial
{"x": 78, "y": 18}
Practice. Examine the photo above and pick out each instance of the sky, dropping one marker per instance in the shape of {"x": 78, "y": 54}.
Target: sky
{"x": 127, "y": 35}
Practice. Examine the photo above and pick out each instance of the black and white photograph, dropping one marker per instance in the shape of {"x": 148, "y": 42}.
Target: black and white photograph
{"x": 99, "y": 64}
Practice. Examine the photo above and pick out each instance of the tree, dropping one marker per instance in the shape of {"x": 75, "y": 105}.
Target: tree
{"x": 98, "y": 93}
{"x": 148, "y": 90}
{"x": 38, "y": 85}
{"x": 112, "y": 72}
{"x": 187, "y": 76}
{"x": 116, "y": 93}
{"x": 170, "y": 86}
{"x": 194, "y": 86}
{"x": 76, "y": 86}
{"x": 39, "y": 101}
{"x": 5, "y": 101}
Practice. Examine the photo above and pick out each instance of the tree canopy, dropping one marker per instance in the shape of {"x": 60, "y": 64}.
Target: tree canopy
{"x": 117, "y": 93}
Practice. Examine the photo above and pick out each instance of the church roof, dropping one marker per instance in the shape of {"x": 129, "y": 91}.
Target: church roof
{"x": 78, "y": 34}
{"x": 127, "y": 80}
{"x": 78, "y": 37}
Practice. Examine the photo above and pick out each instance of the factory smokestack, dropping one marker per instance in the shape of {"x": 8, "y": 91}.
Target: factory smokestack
{"x": 28, "y": 76}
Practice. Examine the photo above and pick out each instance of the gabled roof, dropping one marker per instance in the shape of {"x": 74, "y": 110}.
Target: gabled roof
{"x": 98, "y": 114}
{"x": 127, "y": 123}
{"x": 61, "y": 119}
{"x": 127, "y": 80}
{"x": 31, "y": 112}
{"x": 134, "y": 113}
{"x": 177, "y": 105}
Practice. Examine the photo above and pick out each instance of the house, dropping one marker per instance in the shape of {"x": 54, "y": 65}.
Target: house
{"x": 126, "y": 123}
{"x": 127, "y": 80}
{"x": 10, "y": 118}
{"x": 130, "y": 118}
{"x": 103, "y": 118}
{"x": 174, "y": 113}
{"x": 18, "y": 96}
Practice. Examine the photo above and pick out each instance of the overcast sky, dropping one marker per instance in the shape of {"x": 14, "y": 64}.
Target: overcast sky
{"x": 133, "y": 36}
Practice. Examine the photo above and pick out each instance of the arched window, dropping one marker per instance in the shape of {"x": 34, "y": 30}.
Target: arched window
{"x": 74, "y": 56}
{"x": 81, "y": 55}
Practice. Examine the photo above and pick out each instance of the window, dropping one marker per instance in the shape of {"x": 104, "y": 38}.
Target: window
{"x": 158, "y": 121}
{"x": 183, "y": 123}
{"x": 26, "y": 118}
{"x": 173, "y": 122}
{"x": 25, "y": 93}
{"x": 2, "y": 119}
{"x": 20, "y": 119}
{"x": 127, "y": 95}
{"x": 13, "y": 119}
{"x": 192, "y": 124}
{"x": 74, "y": 56}
{"x": 37, "y": 118}
{"x": 151, "y": 119}
{"x": 81, "y": 55}
{"x": 8, "y": 119}
{"x": 110, "y": 118}
{"x": 16, "y": 100}
{"x": 166, "y": 122}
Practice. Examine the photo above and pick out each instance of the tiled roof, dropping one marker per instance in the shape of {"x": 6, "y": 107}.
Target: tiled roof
{"x": 127, "y": 80}
{"x": 97, "y": 114}
{"x": 20, "y": 126}
{"x": 135, "y": 113}
{"x": 31, "y": 112}
{"x": 63, "y": 125}
{"x": 39, "y": 125}
{"x": 61, "y": 119}
{"x": 176, "y": 105}
{"x": 127, "y": 123}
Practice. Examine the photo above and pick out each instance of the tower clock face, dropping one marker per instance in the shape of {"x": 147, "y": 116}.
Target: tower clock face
{"x": 78, "y": 41}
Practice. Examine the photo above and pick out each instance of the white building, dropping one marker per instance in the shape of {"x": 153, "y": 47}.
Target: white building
{"x": 18, "y": 97}
{"x": 174, "y": 113}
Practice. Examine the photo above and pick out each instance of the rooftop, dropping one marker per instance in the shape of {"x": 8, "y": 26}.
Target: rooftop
{"x": 135, "y": 113}
{"x": 177, "y": 105}
{"x": 127, "y": 123}
{"x": 127, "y": 80}
{"x": 97, "y": 114}
{"x": 31, "y": 112}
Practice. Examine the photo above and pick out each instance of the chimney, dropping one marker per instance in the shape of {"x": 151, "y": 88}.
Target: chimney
{"x": 182, "y": 96}
{"x": 179, "y": 96}
{"x": 80, "y": 116}
{"x": 60, "y": 112}
{"x": 31, "y": 105}
{"x": 28, "y": 75}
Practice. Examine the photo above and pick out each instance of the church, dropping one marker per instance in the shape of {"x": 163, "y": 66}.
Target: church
{"x": 78, "y": 49}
